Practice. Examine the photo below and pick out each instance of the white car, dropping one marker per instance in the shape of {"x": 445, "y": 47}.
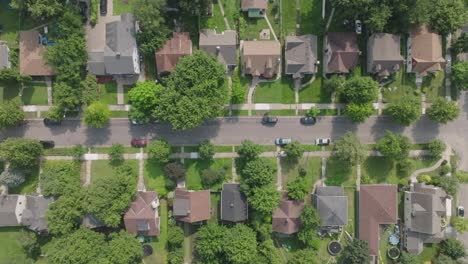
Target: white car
{"x": 282, "y": 141}
{"x": 358, "y": 26}
{"x": 322, "y": 141}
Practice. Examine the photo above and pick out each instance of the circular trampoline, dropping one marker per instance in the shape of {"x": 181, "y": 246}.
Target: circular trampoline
{"x": 393, "y": 253}
{"x": 147, "y": 250}
{"x": 334, "y": 248}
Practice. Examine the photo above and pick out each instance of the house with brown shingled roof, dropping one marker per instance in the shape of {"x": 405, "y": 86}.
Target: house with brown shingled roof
{"x": 426, "y": 51}
{"x": 383, "y": 54}
{"x": 342, "y": 52}
{"x": 261, "y": 58}
{"x": 169, "y": 55}
{"x": 142, "y": 216}
{"x": 286, "y": 217}
{"x": 31, "y": 52}
{"x": 377, "y": 206}
{"x": 192, "y": 206}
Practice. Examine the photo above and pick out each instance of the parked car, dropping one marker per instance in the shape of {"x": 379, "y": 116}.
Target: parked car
{"x": 103, "y": 7}
{"x": 139, "y": 142}
{"x": 322, "y": 141}
{"x": 358, "y": 26}
{"x": 269, "y": 120}
{"x": 1, "y": 28}
{"x": 282, "y": 141}
{"x": 281, "y": 154}
{"x": 47, "y": 144}
{"x": 461, "y": 211}
{"x": 308, "y": 120}
{"x": 51, "y": 122}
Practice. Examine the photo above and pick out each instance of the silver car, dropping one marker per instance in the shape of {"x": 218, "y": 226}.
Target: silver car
{"x": 282, "y": 141}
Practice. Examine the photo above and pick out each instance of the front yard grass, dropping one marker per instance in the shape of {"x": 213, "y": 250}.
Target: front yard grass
{"x": 11, "y": 250}
{"x": 102, "y": 168}
{"x": 404, "y": 85}
{"x": 433, "y": 86}
{"x": 280, "y": 91}
{"x": 121, "y": 7}
{"x": 339, "y": 174}
{"x": 35, "y": 94}
{"x": 195, "y": 168}
{"x": 155, "y": 179}
{"x": 108, "y": 93}
{"x": 214, "y": 22}
{"x": 159, "y": 255}
{"x": 290, "y": 171}
{"x": 314, "y": 92}
{"x": 240, "y": 87}
{"x": 289, "y": 17}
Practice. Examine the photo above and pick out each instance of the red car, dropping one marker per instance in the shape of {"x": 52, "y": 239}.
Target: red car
{"x": 139, "y": 142}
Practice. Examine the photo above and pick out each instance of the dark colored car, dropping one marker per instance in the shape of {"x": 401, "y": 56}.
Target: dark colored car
{"x": 461, "y": 211}
{"x": 47, "y": 144}
{"x": 1, "y": 28}
{"x": 308, "y": 120}
{"x": 139, "y": 142}
{"x": 103, "y": 7}
{"x": 51, "y": 122}
{"x": 269, "y": 120}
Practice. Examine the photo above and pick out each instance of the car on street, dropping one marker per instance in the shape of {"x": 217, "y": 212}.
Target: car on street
{"x": 139, "y": 142}
{"x": 281, "y": 154}
{"x": 51, "y": 122}
{"x": 322, "y": 141}
{"x": 47, "y": 144}
{"x": 103, "y": 7}
{"x": 308, "y": 120}
{"x": 282, "y": 141}
{"x": 460, "y": 211}
{"x": 269, "y": 120}
{"x": 358, "y": 26}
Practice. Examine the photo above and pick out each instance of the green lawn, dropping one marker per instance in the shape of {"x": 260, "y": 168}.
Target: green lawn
{"x": 35, "y": 94}
{"x": 121, "y": 7}
{"x": 404, "y": 84}
{"x": 215, "y": 207}
{"x": 434, "y": 86}
{"x": 281, "y": 91}
{"x": 290, "y": 171}
{"x": 311, "y": 16}
{"x": 322, "y": 253}
{"x": 214, "y": 22}
{"x": 339, "y": 174}
{"x": 10, "y": 21}
{"x": 105, "y": 150}
{"x": 281, "y": 112}
{"x": 288, "y": 245}
{"x": 351, "y": 227}
{"x": 101, "y": 168}
{"x": 289, "y": 18}
{"x": 240, "y": 86}
{"x": 231, "y": 10}
{"x": 223, "y": 148}
{"x": 116, "y": 114}
{"x": 273, "y": 15}
{"x": 195, "y": 168}
{"x": 155, "y": 179}
{"x": 108, "y": 92}
{"x": 8, "y": 90}
{"x": 253, "y": 26}
{"x": 30, "y": 185}
{"x": 314, "y": 92}
{"x": 11, "y": 250}
{"x": 429, "y": 252}
{"x": 159, "y": 244}
{"x": 58, "y": 152}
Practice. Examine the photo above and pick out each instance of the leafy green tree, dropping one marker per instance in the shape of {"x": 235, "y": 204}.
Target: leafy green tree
{"x": 460, "y": 45}
{"x": 394, "y": 146}
{"x": 196, "y": 91}
{"x": 159, "y": 151}
{"x": 408, "y": 258}
{"x": 310, "y": 223}
{"x": 360, "y": 90}
{"x": 435, "y": 148}
{"x": 195, "y": 7}
{"x": 124, "y": 248}
{"x": 359, "y": 112}
{"x": 450, "y": 185}
{"x": 313, "y": 111}
{"x": 349, "y": 149}
{"x": 12, "y": 177}
{"x": 304, "y": 256}
{"x": 66, "y": 97}
{"x": 153, "y": 28}
{"x": 240, "y": 244}
{"x": 379, "y": 16}
{"x": 404, "y": 166}
{"x": 405, "y": 110}
{"x": 212, "y": 176}
{"x": 444, "y": 259}
{"x": 70, "y": 23}
{"x": 175, "y": 171}
{"x": 29, "y": 243}
{"x": 78, "y": 151}
{"x": 11, "y": 113}
{"x": 268, "y": 253}
{"x": 356, "y": 252}
{"x": 116, "y": 152}
{"x": 294, "y": 151}
{"x": 175, "y": 256}
{"x": 109, "y": 196}
{"x": 424, "y": 178}
{"x": 334, "y": 84}
{"x": 264, "y": 199}
{"x": 90, "y": 90}
{"x": 143, "y": 100}
{"x": 44, "y": 8}
{"x": 210, "y": 242}
{"x": 64, "y": 215}
{"x": 249, "y": 150}
{"x": 460, "y": 73}
{"x": 206, "y": 150}
{"x": 97, "y": 114}
{"x": 442, "y": 111}
{"x": 453, "y": 248}
{"x": 21, "y": 152}
{"x": 448, "y": 15}
{"x": 60, "y": 178}
{"x": 56, "y": 113}
{"x": 257, "y": 173}
{"x": 175, "y": 237}
{"x": 297, "y": 188}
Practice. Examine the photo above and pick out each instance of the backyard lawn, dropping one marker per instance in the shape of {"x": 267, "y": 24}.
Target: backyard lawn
{"x": 311, "y": 16}
{"x": 280, "y": 91}
{"x": 289, "y": 17}
{"x": 253, "y": 26}
{"x": 273, "y": 15}
{"x": 339, "y": 174}
{"x": 195, "y": 168}
{"x": 403, "y": 85}
{"x": 313, "y": 166}
{"x": 155, "y": 180}
{"x": 214, "y": 22}
{"x": 11, "y": 250}
{"x": 101, "y": 168}
{"x": 159, "y": 255}
{"x": 231, "y": 10}
{"x": 108, "y": 93}
{"x": 121, "y": 6}
{"x": 434, "y": 86}
{"x": 30, "y": 185}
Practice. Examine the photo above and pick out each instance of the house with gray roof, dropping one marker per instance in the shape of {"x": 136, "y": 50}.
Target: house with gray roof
{"x": 4, "y": 57}
{"x": 426, "y": 213}
{"x": 383, "y": 54}
{"x": 301, "y": 55}
{"x": 234, "y": 207}
{"x": 24, "y": 210}
{"x": 112, "y": 49}
{"x": 331, "y": 204}
{"x": 221, "y": 45}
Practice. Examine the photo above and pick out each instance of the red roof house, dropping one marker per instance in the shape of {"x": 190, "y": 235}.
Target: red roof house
{"x": 142, "y": 216}
{"x": 176, "y": 47}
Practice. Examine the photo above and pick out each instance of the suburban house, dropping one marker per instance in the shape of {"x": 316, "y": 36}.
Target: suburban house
{"x": 221, "y": 45}
{"x": 234, "y": 207}
{"x": 4, "y": 57}
{"x": 112, "y": 48}
{"x": 427, "y": 212}
{"x": 167, "y": 57}
{"x": 383, "y": 54}
{"x": 192, "y": 206}
{"x": 342, "y": 52}
{"x": 261, "y": 58}
{"x": 142, "y": 216}
{"x": 464, "y": 55}
{"x": 377, "y": 206}
{"x": 286, "y": 217}
{"x": 255, "y": 8}
{"x": 331, "y": 204}
{"x": 426, "y": 51}
{"x": 301, "y": 55}
{"x": 24, "y": 210}
{"x": 31, "y": 51}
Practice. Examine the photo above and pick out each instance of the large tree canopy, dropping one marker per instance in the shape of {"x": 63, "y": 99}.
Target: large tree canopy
{"x": 257, "y": 173}
{"x": 240, "y": 245}
{"x": 60, "y": 178}
{"x": 153, "y": 29}
{"x": 448, "y": 15}
{"x": 65, "y": 213}
{"x": 394, "y": 146}
{"x": 442, "y": 111}
{"x": 460, "y": 74}
{"x": 21, "y": 152}
{"x": 349, "y": 149}
{"x": 356, "y": 252}
{"x": 196, "y": 90}
{"x": 195, "y": 7}
{"x": 406, "y": 110}
{"x": 264, "y": 199}
{"x": 310, "y": 223}
{"x": 11, "y": 113}
{"x": 97, "y": 114}
{"x": 360, "y": 90}
{"x": 210, "y": 243}
{"x": 143, "y": 100}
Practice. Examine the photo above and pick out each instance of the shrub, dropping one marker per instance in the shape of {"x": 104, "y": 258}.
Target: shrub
{"x": 444, "y": 170}
{"x": 116, "y": 152}
{"x": 175, "y": 170}
{"x": 206, "y": 150}
{"x": 159, "y": 150}
{"x": 404, "y": 166}
{"x": 435, "y": 148}
{"x": 211, "y": 176}
{"x": 424, "y": 178}
{"x": 78, "y": 151}
{"x": 12, "y": 178}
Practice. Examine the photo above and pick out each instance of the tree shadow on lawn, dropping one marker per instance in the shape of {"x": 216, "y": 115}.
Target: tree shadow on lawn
{"x": 338, "y": 173}
{"x": 378, "y": 168}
